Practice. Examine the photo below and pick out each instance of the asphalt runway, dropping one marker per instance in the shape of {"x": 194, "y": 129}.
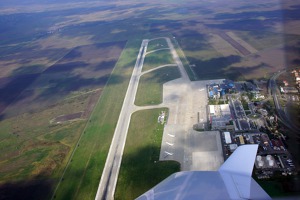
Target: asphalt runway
{"x": 111, "y": 169}
{"x": 187, "y": 103}
{"x": 110, "y": 173}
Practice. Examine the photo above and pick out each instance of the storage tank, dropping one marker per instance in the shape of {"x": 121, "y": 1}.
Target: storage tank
{"x": 260, "y": 163}
{"x": 271, "y": 163}
{"x": 269, "y": 157}
{"x": 258, "y": 158}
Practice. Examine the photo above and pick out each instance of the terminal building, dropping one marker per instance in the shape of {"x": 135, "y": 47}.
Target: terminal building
{"x": 218, "y": 90}
{"x": 220, "y": 117}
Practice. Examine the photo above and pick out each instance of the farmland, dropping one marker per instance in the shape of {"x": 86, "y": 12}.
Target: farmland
{"x": 67, "y": 90}
{"x": 100, "y": 127}
{"x": 81, "y": 69}
{"x": 57, "y": 58}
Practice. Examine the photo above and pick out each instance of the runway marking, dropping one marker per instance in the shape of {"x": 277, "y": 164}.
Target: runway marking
{"x": 168, "y": 153}
{"x": 169, "y": 144}
{"x": 177, "y": 107}
{"x": 171, "y": 135}
{"x": 201, "y": 89}
{"x": 108, "y": 181}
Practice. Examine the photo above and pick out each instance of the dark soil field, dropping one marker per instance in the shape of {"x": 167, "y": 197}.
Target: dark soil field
{"x": 65, "y": 118}
{"x": 32, "y": 189}
{"x": 85, "y": 67}
{"x": 11, "y": 87}
{"x": 91, "y": 104}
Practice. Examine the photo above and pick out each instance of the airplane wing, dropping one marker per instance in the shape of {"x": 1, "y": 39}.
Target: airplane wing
{"x": 232, "y": 181}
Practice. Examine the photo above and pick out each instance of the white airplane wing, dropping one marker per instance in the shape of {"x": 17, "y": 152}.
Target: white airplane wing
{"x": 232, "y": 181}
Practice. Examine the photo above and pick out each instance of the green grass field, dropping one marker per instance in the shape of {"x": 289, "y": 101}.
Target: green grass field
{"x": 39, "y": 147}
{"x": 83, "y": 173}
{"x": 201, "y": 60}
{"x": 185, "y": 62}
{"x": 157, "y": 44}
{"x": 157, "y": 59}
{"x": 265, "y": 39}
{"x": 150, "y": 90}
{"x": 36, "y": 35}
{"x": 140, "y": 168}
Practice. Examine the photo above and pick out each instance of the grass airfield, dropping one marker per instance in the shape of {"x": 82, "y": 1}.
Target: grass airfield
{"x": 142, "y": 169}
{"x": 42, "y": 36}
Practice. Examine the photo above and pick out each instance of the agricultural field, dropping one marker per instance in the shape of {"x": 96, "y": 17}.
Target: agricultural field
{"x": 39, "y": 151}
{"x": 204, "y": 60}
{"x": 57, "y": 58}
{"x": 46, "y": 113}
{"x": 45, "y": 109}
{"x": 84, "y": 68}
{"x": 150, "y": 89}
{"x": 141, "y": 168}
{"x": 84, "y": 169}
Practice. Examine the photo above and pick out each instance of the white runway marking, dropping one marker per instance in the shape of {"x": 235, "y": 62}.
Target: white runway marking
{"x": 168, "y": 153}
{"x": 175, "y": 120}
{"x": 169, "y": 144}
{"x": 171, "y": 135}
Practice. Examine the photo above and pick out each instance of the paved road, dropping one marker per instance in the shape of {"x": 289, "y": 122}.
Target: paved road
{"x": 110, "y": 173}
{"x": 281, "y": 114}
{"x": 235, "y": 113}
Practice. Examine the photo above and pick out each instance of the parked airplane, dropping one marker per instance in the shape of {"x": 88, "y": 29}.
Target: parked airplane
{"x": 232, "y": 181}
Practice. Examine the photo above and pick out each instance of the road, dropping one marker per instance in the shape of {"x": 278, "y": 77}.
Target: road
{"x": 111, "y": 169}
{"x": 272, "y": 88}
{"x": 235, "y": 113}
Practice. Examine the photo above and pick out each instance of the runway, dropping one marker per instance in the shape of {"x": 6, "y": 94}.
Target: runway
{"x": 185, "y": 99}
{"x": 111, "y": 169}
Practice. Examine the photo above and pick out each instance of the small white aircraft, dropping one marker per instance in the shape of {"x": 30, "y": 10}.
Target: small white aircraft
{"x": 231, "y": 182}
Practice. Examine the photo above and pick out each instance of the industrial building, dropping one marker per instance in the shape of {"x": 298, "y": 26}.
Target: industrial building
{"x": 218, "y": 90}
{"x": 227, "y": 138}
{"x": 220, "y": 117}
{"x": 268, "y": 161}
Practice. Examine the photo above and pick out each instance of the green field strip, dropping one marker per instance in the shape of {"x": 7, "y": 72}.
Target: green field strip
{"x": 140, "y": 169}
{"x": 150, "y": 89}
{"x": 157, "y": 58}
{"x": 82, "y": 175}
{"x": 184, "y": 61}
{"x": 157, "y": 44}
